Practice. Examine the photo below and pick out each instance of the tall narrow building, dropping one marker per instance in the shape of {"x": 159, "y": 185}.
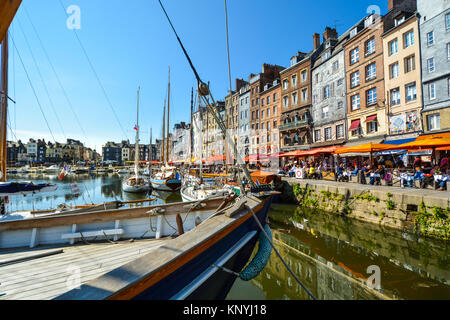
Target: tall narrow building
{"x": 402, "y": 72}
{"x": 366, "y": 105}
{"x": 435, "y": 46}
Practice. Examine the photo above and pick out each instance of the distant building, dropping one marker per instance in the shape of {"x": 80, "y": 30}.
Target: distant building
{"x": 13, "y": 151}
{"x": 112, "y": 152}
{"x": 243, "y": 145}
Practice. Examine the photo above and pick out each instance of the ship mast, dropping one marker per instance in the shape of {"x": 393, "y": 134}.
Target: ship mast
{"x": 4, "y": 107}
{"x": 163, "y": 135}
{"x": 168, "y": 113}
{"x": 136, "y": 156}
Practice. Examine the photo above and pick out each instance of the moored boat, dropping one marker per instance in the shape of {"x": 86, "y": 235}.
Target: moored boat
{"x": 187, "y": 267}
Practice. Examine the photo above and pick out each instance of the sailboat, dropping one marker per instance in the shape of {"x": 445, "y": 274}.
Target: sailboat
{"x": 136, "y": 184}
{"x": 168, "y": 179}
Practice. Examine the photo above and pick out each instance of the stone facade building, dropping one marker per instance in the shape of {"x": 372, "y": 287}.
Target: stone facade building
{"x": 435, "y": 47}
{"x": 329, "y": 92}
{"x": 243, "y": 145}
{"x": 402, "y": 72}
{"x": 367, "y": 119}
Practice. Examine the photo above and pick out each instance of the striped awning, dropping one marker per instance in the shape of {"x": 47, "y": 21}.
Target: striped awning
{"x": 371, "y": 118}
{"x": 355, "y": 125}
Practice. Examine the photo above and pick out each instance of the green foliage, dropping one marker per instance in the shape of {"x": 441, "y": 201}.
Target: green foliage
{"x": 368, "y": 197}
{"x": 390, "y": 204}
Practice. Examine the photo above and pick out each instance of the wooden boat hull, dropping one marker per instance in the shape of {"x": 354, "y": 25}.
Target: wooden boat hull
{"x": 166, "y": 185}
{"x": 190, "y": 274}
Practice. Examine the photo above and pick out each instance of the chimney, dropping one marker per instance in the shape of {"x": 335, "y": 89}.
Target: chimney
{"x": 316, "y": 38}
{"x": 329, "y": 34}
{"x": 410, "y": 5}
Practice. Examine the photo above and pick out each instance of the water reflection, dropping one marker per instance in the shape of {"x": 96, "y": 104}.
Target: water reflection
{"x": 94, "y": 188}
{"x": 331, "y": 255}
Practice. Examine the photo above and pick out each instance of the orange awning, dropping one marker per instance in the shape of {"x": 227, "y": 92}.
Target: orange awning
{"x": 443, "y": 148}
{"x": 370, "y": 147}
{"x": 429, "y": 143}
{"x": 262, "y": 177}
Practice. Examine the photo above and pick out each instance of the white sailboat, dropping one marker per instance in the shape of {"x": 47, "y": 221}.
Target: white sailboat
{"x": 136, "y": 184}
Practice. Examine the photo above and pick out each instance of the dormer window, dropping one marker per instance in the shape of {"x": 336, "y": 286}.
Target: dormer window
{"x": 328, "y": 45}
{"x": 399, "y": 20}
{"x": 354, "y": 32}
{"x": 293, "y": 60}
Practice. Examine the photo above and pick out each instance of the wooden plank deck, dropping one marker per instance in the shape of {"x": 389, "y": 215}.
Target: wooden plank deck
{"x": 51, "y": 276}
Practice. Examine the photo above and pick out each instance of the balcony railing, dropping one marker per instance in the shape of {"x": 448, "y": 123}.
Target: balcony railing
{"x": 300, "y": 123}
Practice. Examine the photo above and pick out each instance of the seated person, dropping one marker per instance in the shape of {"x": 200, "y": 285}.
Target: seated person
{"x": 340, "y": 173}
{"x": 440, "y": 179}
{"x": 375, "y": 176}
{"x": 312, "y": 172}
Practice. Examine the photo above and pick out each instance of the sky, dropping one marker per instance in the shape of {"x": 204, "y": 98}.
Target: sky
{"x": 130, "y": 44}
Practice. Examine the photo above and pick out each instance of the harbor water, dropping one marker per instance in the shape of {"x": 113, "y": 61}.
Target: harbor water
{"x": 334, "y": 257}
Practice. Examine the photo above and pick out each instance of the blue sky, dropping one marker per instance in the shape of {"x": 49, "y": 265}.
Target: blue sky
{"x": 130, "y": 43}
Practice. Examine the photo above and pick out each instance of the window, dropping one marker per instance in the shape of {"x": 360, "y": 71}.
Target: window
{"x": 430, "y": 63}
{"x": 326, "y": 55}
{"x": 430, "y": 38}
{"x": 356, "y": 103}
{"x": 432, "y": 91}
{"x": 294, "y": 81}
{"x": 340, "y": 82}
{"x": 285, "y": 101}
{"x": 294, "y": 98}
{"x": 325, "y": 112}
{"x": 395, "y": 96}
{"x": 393, "y": 47}
{"x": 394, "y": 70}
{"x": 355, "y": 79}
{"x": 372, "y": 96}
{"x": 340, "y": 105}
{"x": 371, "y": 72}
{"x": 275, "y": 97}
{"x": 317, "y": 137}
{"x": 434, "y": 122}
{"x": 305, "y": 95}
{"x": 340, "y": 131}
{"x": 262, "y": 102}
{"x": 447, "y": 21}
{"x": 285, "y": 84}
{"x": 268, "y": 113}
{"x": 448, "y": 51}
{"x": 408, "y": 39}
{"x": 399, "y": 21}
{"x": 275, "y": 124}
{"x": 411, "y": 92}
{"x": 328, "y": 134}
{"x": 275, "y": 110}
{"x": 268, "y": 100}
{"x": 326, "y": 92}
{"x": 372, "y": 127}
{"x": 262, "y": 114}
{"x": 410, "y": 64}
{"x": 354, "y": 56}
{"x": 304, "y": 75}
{"x": 335, "y": 66}
{"x": 370, "y": 46}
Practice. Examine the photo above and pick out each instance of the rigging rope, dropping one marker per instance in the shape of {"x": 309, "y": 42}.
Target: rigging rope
{"x": 55, "y": 73}
{"x": 96, "y": 75}
{"x": 42, "y": 79}
{"x": 278, "y": 253}
{"x": 32, "y": 87}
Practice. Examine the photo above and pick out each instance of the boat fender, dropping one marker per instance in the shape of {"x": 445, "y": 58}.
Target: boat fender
{"x": 259, "y": 262}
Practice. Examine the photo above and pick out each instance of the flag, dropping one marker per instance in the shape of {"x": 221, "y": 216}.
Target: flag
{"x": 63, "y": 173}
{"x": 136, "y": 127}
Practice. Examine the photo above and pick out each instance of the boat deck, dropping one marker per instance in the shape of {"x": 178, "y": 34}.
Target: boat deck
{"x": 46, "y": 272}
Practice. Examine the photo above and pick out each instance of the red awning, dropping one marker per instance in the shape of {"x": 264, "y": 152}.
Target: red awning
{"x": 355, "y": 125}
{"x": 371, "y": 118}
